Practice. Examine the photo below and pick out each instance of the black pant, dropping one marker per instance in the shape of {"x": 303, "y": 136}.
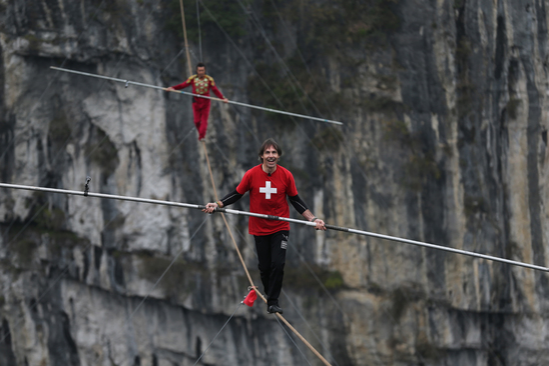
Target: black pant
{"x": 271, "y": 251}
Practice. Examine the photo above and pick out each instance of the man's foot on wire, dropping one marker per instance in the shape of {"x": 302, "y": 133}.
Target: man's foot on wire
{"x": 274, "y": 309}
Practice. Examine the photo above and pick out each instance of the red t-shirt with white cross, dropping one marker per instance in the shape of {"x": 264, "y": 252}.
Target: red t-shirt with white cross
{"x": 268, "y": 196}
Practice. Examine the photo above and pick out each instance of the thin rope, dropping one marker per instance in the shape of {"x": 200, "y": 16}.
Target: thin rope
{"x": 172, "y": 61}
{"x": 291, "y": 339}
{"x": 199, "y": 31}
{"x": 185, "y": 37}
{"x": 223, "y": 327}
{"x": 167, "y": 269}
{"x": 193, "y": 55}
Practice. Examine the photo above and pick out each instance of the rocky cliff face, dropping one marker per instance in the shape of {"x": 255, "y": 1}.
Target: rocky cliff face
{"x": 445, "y": 141}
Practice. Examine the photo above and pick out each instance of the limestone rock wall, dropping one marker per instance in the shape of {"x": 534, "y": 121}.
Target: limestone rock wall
{"x": 445, "y": 141}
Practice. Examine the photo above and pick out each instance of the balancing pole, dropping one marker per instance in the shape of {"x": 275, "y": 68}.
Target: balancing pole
{"x": 270, "y": 217}
{"x": 128, "y": 82}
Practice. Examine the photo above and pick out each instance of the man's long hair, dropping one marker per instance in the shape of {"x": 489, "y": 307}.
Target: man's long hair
{"x": 266, "y": 144}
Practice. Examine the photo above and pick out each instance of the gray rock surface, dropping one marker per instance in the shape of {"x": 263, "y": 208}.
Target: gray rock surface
{"x": 445, "y": 141}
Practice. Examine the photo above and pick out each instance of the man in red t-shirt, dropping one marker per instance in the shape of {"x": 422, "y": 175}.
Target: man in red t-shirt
{"x": 269, "y": 184}
{"x": 202, "y": 84}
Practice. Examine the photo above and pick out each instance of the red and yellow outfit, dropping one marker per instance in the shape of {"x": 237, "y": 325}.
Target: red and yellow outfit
{"x": 201, "y": 106}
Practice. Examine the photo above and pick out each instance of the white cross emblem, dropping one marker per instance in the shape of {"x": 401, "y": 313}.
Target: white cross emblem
{"x": 267, "y": 190}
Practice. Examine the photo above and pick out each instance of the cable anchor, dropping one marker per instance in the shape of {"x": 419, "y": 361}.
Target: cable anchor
{"x": 87, "y": 186}
{"x": 126, "y": 85}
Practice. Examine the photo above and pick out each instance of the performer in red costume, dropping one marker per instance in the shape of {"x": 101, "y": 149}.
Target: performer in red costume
{"x": 202, "y": 84}
{"x": 269, "y": 184}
